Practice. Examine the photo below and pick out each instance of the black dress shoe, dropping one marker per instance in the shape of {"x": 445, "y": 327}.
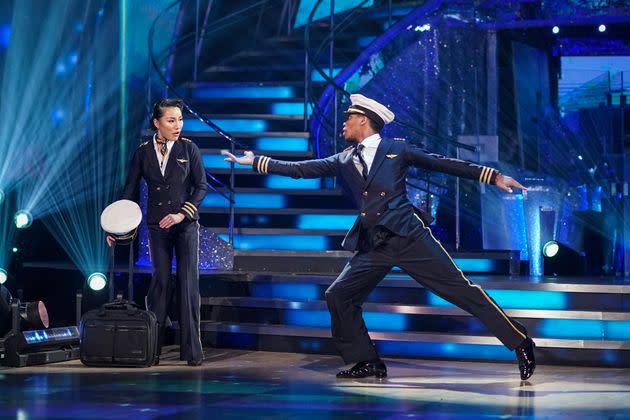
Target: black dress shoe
{"x": 525, "y": 356}
{"x": 365, "y": 369}
{"x": 156, "y": 362}
{"x": 194, "y": 362}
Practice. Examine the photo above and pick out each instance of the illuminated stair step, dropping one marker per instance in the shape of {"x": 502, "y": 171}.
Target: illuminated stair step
{"x": 243, "y": 125}
{"x": 415, "y": 344}
{"x": 281, "y": 242}
{"x": 392, "y": 317}
{"x": 244, "y": 92}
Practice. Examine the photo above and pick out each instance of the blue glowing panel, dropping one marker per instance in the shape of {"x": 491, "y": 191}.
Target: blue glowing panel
{"x": 290, "y": 108}
{"x": 243, "y": 92}
{"x": 306, "y": 7}
{"x": 243, "y": 126}
{"x": 285, "y": 144}
{"x": 286, "y": 291}
{"x": 5, "y": 35}
{"x": 280, "y": 242}
{"x": 585, "y": 329}
{"x": 444, "y": 350}
{"x": 282, "y": 182}
{"x": 326, "y": 221}
{"x": 376, "y": 321}
{"x": 516, "y": 299}
{"x": 317, "y": 77}
{"x": 50, "y": 335}
{"x": 572, "y": 328}
{"x": 617, "y": 330}
{"x": 476, "y": 265}
{"x": 211, "y": 161}
{"x": 266, "y": 201}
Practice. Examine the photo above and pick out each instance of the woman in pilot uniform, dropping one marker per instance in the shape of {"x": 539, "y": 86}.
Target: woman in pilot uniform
{"x": 173, "y": 170}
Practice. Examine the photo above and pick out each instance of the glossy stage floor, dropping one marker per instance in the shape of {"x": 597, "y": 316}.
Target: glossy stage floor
{"x": 266, "y": 385}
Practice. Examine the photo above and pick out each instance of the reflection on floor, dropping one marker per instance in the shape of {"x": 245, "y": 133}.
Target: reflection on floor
{"x": 263, "y": 385}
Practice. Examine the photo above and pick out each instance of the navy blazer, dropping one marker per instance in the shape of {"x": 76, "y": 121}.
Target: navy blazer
{"x": 382, "y": 198}
{"x": 179, "y": 190}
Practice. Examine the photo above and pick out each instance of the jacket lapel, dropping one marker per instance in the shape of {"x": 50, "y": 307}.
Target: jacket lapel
{"x": 382, "y": 150}
{"x": 352, "y": 170}
{"x": 172, "y": 157}
{"x": 152, "y": 158}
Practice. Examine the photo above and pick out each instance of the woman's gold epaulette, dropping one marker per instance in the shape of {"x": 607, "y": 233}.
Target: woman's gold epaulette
{"x": 144, "y": 143}
{"x": 185, "y": 139}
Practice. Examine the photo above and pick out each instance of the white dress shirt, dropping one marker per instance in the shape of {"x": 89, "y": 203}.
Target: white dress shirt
{"x": 369, "y": 151}
{"x": 162, "y": 160}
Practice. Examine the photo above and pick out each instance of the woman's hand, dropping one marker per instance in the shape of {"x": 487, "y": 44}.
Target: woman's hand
{"x": 248, "y": 159}
{"x": 171, "y": 220}
{"x": 110, "y": 241}
{"x": 506, "y": 183}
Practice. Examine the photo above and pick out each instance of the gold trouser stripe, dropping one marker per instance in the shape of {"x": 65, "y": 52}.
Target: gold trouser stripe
{"x": 471, "y": 283}
{"x": 190, "y": 205}
{"x": 191, "y": 214}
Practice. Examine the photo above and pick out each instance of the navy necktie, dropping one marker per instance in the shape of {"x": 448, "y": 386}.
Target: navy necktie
{"x": 358, "y": 153}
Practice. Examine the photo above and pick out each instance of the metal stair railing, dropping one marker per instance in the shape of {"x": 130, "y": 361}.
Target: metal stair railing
{"x": 198, "y": 35}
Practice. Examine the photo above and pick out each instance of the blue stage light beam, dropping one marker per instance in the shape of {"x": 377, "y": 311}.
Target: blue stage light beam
{"x": 61, "y": 154}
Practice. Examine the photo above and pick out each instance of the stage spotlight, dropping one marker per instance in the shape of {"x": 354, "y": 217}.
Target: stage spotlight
{"x": 14, "y": 249}
{"x": 562, "y": 260}
{"x": 555, "y": 29}
{"x": 550, "y": 249}
{"x": 602, "y": 28}
{"x": 3, "y": 276}
{"x": 23, "y": 219}
{"x": 97, "y": 281}
{"x": 34, "y": 314}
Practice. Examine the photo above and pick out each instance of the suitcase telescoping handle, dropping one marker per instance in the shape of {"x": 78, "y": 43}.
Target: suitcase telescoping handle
{"x": 122, "y": 305}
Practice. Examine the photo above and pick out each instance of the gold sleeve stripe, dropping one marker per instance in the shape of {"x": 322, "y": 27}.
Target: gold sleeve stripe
{"x": 486, "y": 171}
{"x": 188, "y": 212}
{"x": 489, "y": 175}
{"x": 190, "y": 206}
{"x": 266, "y": 168}
{"x": 258, "y": 165}
{"x": 482, "y": 174}
{"x": 262, "y": 164}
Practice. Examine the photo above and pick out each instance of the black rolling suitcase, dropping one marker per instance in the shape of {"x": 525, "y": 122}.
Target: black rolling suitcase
{"x": 119, "y": 333}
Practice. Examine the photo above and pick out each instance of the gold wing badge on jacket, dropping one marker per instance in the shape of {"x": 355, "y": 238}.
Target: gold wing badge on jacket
{"x": 391, "y": 156}
{"x": 182, "y": 160}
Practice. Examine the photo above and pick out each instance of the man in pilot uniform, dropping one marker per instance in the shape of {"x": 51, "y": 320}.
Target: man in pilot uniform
{"x": 176, "y": 182}
{"x": 390, "y": 232}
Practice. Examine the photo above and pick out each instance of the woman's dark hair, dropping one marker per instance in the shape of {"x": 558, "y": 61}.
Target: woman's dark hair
{"x": 158, "y": 108}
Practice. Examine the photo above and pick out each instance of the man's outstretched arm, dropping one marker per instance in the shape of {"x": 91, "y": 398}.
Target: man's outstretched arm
{"x": 485, "y": 174}
{"x": 315, "y": 168}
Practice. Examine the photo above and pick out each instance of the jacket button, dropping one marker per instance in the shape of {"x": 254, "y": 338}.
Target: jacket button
{"x": 160, "y": 203}
{"x": 378, "y": 214}
{"x": 364, "y": 193}
{"x": 157, "y": 188}
{"x": 167, "y": 187}
{"x": 362, "y": 214}
{"x": 168, "y": 202}
{"x": 382, "y": 194}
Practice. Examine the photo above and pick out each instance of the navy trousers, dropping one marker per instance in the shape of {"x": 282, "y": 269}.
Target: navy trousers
{"x": 183, "y": 240}
{"x": 422, "y": 257}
